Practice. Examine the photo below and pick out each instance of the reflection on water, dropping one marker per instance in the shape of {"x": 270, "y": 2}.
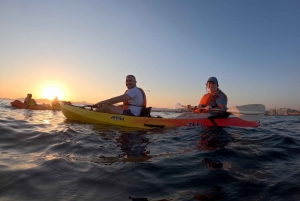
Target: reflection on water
{"x": 46, "y": 157}
{"x": 212, "y": 163}
{"x": 140, "y": 199}
{"x": 213, "y": 138}
{"x": 134, "y": 145}
{"x": 131, "y": 143}
{"x": 213, "y": 194}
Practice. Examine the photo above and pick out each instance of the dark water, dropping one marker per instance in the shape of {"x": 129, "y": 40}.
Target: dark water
{"x": 43, "y": 156}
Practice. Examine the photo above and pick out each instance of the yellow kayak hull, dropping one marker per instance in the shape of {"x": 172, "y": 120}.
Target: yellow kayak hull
{"x": 81, "y": 114}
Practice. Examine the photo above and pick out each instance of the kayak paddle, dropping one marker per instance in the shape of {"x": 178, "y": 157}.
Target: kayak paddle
{"x": 251, "y": 112}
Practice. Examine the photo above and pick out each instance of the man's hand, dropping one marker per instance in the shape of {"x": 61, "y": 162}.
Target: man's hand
{"x": 207, "y": 108}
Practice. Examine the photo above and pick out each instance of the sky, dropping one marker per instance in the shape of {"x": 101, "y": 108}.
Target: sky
{"x": 85, "y": 49}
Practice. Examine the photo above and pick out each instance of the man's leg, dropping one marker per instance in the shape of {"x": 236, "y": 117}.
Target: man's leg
{"x": 110, "y": 109}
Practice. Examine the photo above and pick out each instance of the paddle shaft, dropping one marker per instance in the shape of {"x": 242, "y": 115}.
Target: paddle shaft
{"x": 203, "y": 108}
{"x": 251, "y": 112}
{"x": 236, "y": 109}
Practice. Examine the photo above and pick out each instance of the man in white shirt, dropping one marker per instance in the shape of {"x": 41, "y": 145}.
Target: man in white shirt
{"x": 134, "y": 100}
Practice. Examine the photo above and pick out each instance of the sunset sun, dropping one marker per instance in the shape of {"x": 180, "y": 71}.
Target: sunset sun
{"x": 51, "y": 92}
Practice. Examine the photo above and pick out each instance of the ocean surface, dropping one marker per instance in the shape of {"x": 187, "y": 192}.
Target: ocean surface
{"x": 44, "y": 156}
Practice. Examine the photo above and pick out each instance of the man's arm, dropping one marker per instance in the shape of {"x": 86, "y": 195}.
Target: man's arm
{"x": 116, "y": 99}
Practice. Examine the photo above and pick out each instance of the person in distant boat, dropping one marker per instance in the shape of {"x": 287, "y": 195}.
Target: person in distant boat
{"x": 215, "y": 98}
{"x": 55, "y": 102}
{"x": 134, "y": 99}
{"x": 29, "y": 101}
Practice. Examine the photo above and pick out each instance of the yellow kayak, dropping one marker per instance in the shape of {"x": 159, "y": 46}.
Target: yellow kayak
{"x": 81, "y": 114}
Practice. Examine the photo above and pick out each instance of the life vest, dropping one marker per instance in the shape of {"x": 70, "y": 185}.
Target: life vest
{"x": 126, "y": 103}
{"x": 31, "y": 102}
{"x": 204, "y": 101}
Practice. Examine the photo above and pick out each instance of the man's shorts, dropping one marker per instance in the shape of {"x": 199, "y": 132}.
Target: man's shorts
{"x": 128, "y": 112}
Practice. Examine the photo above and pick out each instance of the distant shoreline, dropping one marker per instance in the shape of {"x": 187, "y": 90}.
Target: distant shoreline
{"x": 282, "y": 114}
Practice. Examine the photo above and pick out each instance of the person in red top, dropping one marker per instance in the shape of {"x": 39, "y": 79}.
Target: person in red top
{"x": 134, "y": 99}
{"x": 215, "y": 98}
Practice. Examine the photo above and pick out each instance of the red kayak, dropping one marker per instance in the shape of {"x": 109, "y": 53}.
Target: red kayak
{"x": 21, "y": 105}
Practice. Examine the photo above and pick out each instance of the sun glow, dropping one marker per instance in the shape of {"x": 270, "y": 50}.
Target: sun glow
{"x": 51, "y": 92}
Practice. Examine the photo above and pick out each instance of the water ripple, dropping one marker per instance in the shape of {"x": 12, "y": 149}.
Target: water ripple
{"x": 46, "y": 157}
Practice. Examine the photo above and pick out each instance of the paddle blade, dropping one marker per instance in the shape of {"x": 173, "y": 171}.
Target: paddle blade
{"x": 248, "y": 117}
{"x": 177, "y": 106}
{"x": 251, "y": 112}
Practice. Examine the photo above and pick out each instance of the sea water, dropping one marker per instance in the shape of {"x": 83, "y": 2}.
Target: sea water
{"x": 44, "y": 156}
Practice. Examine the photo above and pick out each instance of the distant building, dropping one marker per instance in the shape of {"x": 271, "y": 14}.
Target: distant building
{"x": 272, "y": 111}
{"x": 292, "y": 112}
{"x": 282, "y": 111}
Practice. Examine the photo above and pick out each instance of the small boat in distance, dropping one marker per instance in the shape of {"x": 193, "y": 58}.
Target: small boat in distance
{"x": 21, "y": 105}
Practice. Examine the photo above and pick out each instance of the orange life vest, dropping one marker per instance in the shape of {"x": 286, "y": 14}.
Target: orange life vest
{"x": 204, "y": 101}
{"x": 126, "y": 103}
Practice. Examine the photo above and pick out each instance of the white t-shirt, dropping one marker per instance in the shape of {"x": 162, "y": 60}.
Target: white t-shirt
{"x": 137, "y": 99}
